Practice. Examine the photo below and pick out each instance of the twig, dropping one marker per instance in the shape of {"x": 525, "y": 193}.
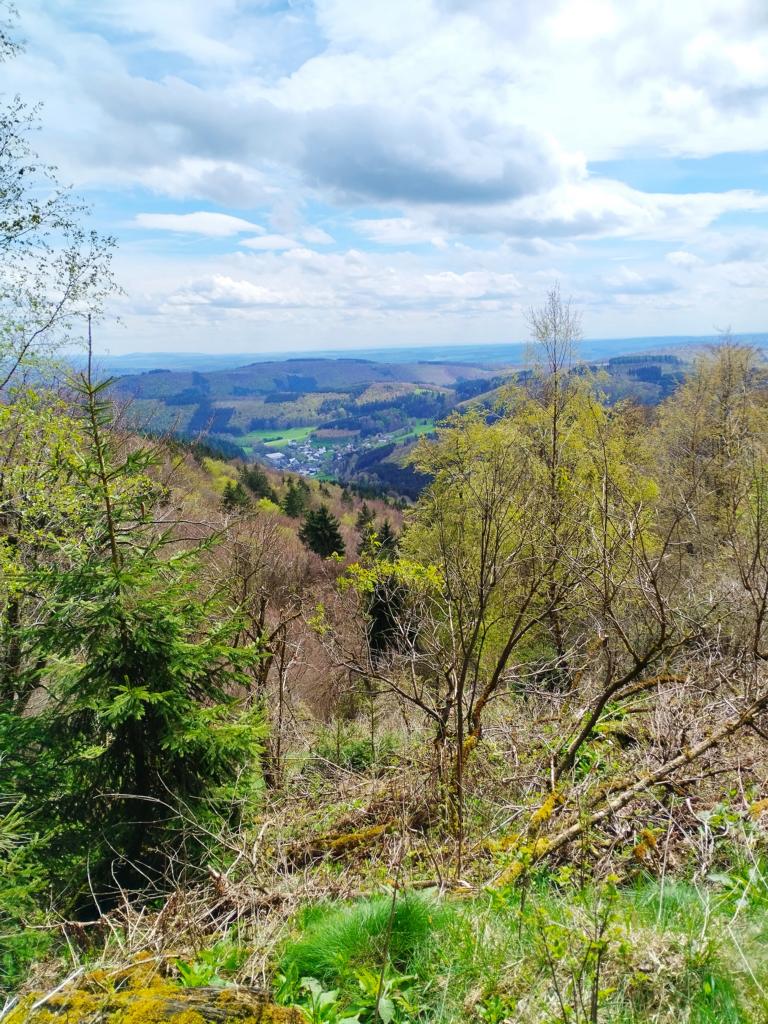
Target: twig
{"x": 44, "y": 999}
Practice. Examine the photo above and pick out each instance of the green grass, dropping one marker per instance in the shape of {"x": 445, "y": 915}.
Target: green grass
{"x": 338, "y": 938}
{"x": 672, "y": 953}
{"x": 276, "y": 438}
{"x": 417, "y": 430}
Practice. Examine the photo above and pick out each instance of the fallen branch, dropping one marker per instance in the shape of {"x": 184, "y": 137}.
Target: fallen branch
{"x": 647, "y": 781}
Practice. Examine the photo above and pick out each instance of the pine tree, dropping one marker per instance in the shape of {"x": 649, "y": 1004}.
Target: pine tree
{"x": 378, "y": 543}
{"x": 387, "y": 539}
{"x": 146, "y": 673}
{"x": 369, "y": 542}
{"x": 320, "y": 532}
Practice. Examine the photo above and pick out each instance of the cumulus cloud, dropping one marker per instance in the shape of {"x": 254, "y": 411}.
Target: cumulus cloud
{"x": 230, "y": 293}
{"x": 631, "y": 282}
{"x": 458, "y": 138}
{"x": 681, "y": 258}
{"x": 604, "y": 208}
{"x": 447, "y": 101}
{"x": 420, "y": 156}
{"x": 350, "y": 283}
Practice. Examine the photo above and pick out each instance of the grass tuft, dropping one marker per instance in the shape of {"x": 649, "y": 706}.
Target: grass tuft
{"x": 338, "y": 939}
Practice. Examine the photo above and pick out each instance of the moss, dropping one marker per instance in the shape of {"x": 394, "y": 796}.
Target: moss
{"x": 527, "y": 855}
{"x": 139, "y": 995}
{"x": 469, "y": 745}
{"x": 187, "y": 1017}
{"x": 339, "y": 844}
{"x": 148, "y": 1006}
{"x": 547, "y": 809}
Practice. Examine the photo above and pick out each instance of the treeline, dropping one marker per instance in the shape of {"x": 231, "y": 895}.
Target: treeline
{"x": 666, "y": 359}
{"x": 392, "y": 414}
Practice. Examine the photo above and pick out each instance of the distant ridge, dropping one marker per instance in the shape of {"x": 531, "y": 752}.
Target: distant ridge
{"x": 500, "y": 354}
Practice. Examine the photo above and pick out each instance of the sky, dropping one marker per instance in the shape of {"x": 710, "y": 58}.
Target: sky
{"x": 351, "y": 173}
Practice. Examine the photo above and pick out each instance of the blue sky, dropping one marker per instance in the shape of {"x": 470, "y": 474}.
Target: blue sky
{"x": 339, "y": 173}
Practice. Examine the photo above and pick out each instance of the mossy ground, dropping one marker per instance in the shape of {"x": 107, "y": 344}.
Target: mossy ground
{"x": 140, "y": 994}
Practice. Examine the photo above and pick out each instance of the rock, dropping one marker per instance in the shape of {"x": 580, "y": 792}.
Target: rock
{"x": 127, "y": 998}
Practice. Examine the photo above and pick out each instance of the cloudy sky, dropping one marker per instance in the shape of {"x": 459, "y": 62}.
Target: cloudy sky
{"x": 287, "y": 174}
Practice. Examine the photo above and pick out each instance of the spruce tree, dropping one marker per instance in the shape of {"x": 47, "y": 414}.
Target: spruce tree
{"x": 369, "y": 543}
{"x": 320, "y": 532}
{"x": 365, "y": 518}
{"x": 256, "y": 480}
{"x": 145, "y": 671}
{"x": 294, "y": 501}
{"x": 387, "y": 539}
{"x": 234, "y": 497}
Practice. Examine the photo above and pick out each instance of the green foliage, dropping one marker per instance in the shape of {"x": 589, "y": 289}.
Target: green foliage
{"x": 387, "y": 540}
{"x": 368, "y": 544}
{"x": 376, "y": 542}
{"x": 658, "y": 952}
{"x": 353, "y": 748}
{"x": 653, "y": 952}
{"x": 383, "y": 996}
{"x": 212, "y": 967}
{"x": 24, "y": 937}
{"x": 145, "y": 674}
{"x": 320, "y": 532}
{"x": 256, "y": 480}
{"x": 365, "y": 518}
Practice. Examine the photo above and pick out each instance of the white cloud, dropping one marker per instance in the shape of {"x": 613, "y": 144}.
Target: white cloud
{"x": 269, "y": 242}
{"x": 681, "y": 258}
{"x": 628, "y": 281}
{"x": 459, "y": 134}
{"x": 398, "y": 231}
{"x": 214, "y": 225}
{"x": 604, "y": 208}
{"x": 316, "y": 236}
{"x": 227, "y": 292}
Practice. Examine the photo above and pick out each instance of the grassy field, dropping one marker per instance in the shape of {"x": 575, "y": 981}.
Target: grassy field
{"x": 276, "y": 438}
{"x": 417, "y": 430}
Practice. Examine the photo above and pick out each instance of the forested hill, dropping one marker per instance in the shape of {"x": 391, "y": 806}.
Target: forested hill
{"x": 350, "y": 419}
{"x": 308, "y": 375}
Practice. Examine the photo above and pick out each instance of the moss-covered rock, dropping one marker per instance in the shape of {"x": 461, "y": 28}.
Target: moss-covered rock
{"x": 140, "y": 998}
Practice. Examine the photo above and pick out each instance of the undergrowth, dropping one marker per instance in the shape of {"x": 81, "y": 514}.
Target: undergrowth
{"x": 666, "y": 952}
